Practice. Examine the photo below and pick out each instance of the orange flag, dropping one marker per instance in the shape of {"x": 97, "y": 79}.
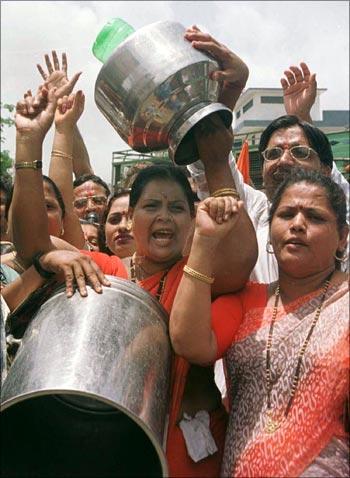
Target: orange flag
{"x": 243, "y": 162}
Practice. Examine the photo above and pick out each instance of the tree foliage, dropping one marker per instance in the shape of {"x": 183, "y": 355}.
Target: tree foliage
{"x": 5, "y": 158}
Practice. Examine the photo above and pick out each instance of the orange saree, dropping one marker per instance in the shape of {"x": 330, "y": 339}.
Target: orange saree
{"x": 179, "y": 462}
{"x": 310, "y": 440}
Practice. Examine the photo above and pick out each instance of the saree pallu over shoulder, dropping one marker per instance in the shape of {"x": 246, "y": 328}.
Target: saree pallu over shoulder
{"x": 315, "y": 416}
{"x": 180, "y": 366}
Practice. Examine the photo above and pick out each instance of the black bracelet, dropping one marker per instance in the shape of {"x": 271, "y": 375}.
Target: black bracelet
{"x": 38, "y": 267}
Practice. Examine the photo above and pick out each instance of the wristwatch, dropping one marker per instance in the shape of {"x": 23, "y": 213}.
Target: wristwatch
{"x": 38, "y": 267}
{"x": 29, "y": 165}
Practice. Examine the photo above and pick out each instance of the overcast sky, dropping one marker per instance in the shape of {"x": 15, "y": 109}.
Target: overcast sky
{"x": 269, "y": 36}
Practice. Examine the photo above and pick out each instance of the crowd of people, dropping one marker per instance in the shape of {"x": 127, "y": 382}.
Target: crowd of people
{"x": 254, "y": 282}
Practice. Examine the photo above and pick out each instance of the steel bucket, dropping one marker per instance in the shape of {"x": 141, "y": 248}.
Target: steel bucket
{"x": 87, "y": 393}
{"x": 155, "y": 87}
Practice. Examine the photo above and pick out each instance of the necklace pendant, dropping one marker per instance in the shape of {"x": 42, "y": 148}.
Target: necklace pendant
{"x": 271, "y": 424}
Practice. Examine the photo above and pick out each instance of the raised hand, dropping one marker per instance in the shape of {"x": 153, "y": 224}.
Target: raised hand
{"x": 299, "y": 91}
{"x": 214, "y": 140}
{"x": 34, "y": 116}
{"x": 216, "y": 217}
{"x": 68, "y": 111}
{"x": 234, "y": 72}
{"x": 56, "y": 76}
{"x": 75, "y": 267}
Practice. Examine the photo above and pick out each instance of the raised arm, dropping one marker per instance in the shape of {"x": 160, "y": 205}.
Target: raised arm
{"x": 299, "y": 91}
{"x": 237, "y": 255}
{"x": 68, "y": 111}
{"x": 234, "y": 72}
{"x": 56, "y": 76}
{"x": 190, "y": 320}
{"x": 28, "y": 212}
{"x": 29, "y": 215}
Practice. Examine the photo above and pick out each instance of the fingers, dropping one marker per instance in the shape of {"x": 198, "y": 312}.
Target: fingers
{"x": 305, "y": 70}
{"x": 48, "y": 64}
{"x": 64, "y": 62}
{"x": 297, "y": 73}
{"x": 42, "y": 72}
{"x": 73, "y": 80}
{"x": 290, "y": 77}
{"x": 55, "y": 60}
{"x": 221, "y": 209}
{"x": 51, "y": 101}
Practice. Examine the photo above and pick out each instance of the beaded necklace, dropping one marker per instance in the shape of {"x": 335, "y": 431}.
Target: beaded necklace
{"x": 272, "y": 424}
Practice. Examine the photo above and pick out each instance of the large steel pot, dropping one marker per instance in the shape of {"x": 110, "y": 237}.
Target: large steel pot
{"x": 155, "y": 87}
{"x": 87, "y": 393}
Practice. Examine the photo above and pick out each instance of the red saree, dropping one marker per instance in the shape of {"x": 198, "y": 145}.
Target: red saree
{"x": 180, "y": 464}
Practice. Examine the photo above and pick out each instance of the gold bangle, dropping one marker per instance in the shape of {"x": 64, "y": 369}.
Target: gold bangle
{"x": 61, "y": 154}
{"x": 225, "y": 192}
{"x": 29, "y": 165}
{"x": 197, "y": 275}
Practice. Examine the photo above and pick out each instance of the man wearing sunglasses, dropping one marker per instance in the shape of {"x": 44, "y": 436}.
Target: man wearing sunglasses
{"x": 90, "y": 196}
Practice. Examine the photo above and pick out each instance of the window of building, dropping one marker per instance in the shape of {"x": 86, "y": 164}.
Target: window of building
{"x": 272, "y": 99}
{"x": 247, "y": 106}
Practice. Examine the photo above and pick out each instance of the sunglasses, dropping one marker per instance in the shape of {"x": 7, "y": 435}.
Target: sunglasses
{"x": 299, "y": 153}
{"x": 96, "y": 200}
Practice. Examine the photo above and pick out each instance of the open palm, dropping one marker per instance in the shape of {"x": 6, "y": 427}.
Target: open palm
{"x": 56, "y": 76}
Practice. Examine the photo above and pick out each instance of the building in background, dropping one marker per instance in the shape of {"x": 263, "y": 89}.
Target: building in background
{"x": 254, "y": 110}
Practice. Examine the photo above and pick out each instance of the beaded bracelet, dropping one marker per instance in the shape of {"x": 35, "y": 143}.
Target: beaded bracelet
{"x": 198, "y": 275}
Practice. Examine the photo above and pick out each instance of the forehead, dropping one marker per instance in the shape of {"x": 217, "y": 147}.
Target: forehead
{"x": 288, "y": 136}
{"x": 48, "y": 191}
{"x": 163, "y": 189}
{"x": 120, "y": 204}
{"x": 305, "y": 195}
{"x": 89, "y": 189}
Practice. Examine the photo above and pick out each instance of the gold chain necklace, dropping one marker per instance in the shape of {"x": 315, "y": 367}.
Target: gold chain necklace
{"x": 162, "y": 281}
{"x": 272, "y": 424}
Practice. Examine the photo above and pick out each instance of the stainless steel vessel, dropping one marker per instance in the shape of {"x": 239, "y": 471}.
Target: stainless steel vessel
{"x": 87, "y": 393}
{"x": 155, "y": 87}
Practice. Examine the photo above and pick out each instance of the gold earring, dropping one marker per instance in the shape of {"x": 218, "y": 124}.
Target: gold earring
{"x": 343, "y": 257}
{"x": 268, "y": 244}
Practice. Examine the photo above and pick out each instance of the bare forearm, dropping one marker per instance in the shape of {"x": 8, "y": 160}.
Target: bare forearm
{"x": 190, "y": 320}
{"x": 238, "y": 254}
{"x": 81, "y": 160}
{"x": 18, "y": 290}
{"x": 61, "y": 172}
{"x": 28, "y": 211}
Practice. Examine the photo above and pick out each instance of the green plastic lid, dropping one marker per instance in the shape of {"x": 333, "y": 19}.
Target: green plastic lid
{"x": 111, "y": 35}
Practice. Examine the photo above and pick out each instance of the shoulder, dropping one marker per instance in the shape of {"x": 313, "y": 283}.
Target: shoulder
{"x": 251, "y": 296}
{"x": 110, "y": 265}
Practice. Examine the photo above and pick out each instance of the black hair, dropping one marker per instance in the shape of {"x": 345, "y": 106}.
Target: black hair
{"x": 334, "y": 193}
{"x": 166, "y": 172}
{"x": 317, "y": 139}
{"x": 5, "y": 185}
{"x": 118, "y": 194}
{"x": 91, "y": 177}
{"x": 57, "y": 193}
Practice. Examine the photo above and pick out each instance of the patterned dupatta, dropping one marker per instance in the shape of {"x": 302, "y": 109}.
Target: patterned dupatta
{"x": 316, "y": 413}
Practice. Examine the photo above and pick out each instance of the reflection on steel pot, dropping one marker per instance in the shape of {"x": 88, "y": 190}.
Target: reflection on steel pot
{"x": 87, "y": 393}
{"x": 155, "y": 87}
